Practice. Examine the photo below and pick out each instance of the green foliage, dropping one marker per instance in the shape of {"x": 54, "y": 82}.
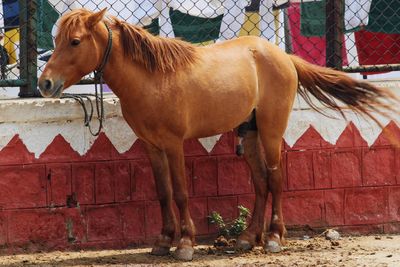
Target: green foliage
{"x": 233, "y": 228}
{"x": 216, "y": 218}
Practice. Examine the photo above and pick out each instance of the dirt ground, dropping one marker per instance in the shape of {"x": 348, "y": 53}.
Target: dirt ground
{"x": 377, "y": 250}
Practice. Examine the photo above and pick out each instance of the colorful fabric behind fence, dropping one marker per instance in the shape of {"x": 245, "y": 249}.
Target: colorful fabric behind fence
{"x": 313, "y": 16}
{"x": 312, "y": 49}
{"x": 11, "y": 13}
{"x": 384, "y": 16}
{"x": 376, "y": 48}
{"x": 47, "y": 17}
{"x": 11, "y": 37}
{"x": 190, "y": 28}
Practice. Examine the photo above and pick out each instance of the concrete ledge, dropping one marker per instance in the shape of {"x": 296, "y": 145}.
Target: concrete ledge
{"x": 49, "y": 110}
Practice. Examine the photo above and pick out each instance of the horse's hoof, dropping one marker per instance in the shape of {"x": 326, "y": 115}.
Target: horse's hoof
{"x": 160, "y": 251}
{"x": 184, "y": 254}
{"x": 243, "y": 245}
{"x": 272, "y": 246}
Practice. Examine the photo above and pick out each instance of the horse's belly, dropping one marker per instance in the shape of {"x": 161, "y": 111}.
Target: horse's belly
{"x": 220, "y": 113}
{"x": 222, "y": 105}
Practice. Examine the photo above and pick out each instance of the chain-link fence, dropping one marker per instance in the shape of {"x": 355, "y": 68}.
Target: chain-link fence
{"x": 352, "y": 35}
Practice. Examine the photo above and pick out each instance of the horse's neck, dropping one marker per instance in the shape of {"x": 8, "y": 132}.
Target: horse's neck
{"x": 123, "y": 76}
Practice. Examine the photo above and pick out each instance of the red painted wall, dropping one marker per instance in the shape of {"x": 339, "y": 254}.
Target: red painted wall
{"x": 348, "y": 185}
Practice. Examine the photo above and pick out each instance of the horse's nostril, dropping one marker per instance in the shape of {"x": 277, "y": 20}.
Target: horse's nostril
{"x": 48, "y": 84}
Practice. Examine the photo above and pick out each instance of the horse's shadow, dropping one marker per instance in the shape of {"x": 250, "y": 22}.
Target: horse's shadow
{"x": 140, "y": 258}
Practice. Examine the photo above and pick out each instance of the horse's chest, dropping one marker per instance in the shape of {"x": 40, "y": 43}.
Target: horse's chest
{"x": 135, "y": 118}
{"x": 149, "y": 122}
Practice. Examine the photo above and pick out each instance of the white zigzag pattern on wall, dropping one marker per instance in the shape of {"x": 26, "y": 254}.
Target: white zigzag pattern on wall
{"x": 38, "y": 135}
{"x": 330, "y": 128}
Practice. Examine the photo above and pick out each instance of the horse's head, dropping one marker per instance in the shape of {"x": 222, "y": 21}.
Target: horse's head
{"x": 78, "y": 51}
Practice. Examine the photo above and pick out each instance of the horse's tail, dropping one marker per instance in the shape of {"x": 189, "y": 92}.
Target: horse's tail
{"x": 328, "y": 85}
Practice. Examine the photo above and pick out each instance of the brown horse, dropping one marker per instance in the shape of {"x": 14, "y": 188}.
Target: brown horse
{"x": 171, "y": 90}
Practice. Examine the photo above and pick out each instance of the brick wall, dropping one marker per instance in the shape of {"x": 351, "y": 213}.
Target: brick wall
{"x": 107, "y": 199}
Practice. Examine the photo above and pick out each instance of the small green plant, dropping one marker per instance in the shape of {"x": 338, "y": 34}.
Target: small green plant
{"x": 233, "y": 228}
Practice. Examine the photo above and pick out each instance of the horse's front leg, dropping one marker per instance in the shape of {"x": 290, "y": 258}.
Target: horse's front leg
{"x": 160, "y": 168}
{"x": 176, "y": 162}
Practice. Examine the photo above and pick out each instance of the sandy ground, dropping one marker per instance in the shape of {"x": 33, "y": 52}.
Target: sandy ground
{"x": 368, "y": 251}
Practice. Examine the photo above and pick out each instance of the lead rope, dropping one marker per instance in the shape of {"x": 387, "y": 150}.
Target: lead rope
{"x": 88, "y": 112}
{"x": 99, "y": 100}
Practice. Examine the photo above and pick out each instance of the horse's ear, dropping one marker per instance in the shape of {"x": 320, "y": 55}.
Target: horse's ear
{"x": 95, "y": 18}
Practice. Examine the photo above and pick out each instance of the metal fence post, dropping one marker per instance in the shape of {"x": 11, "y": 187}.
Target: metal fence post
{"x": 334, "y": 33}
{"x": 286, "y": 25}
{"x": 28, "y": 47}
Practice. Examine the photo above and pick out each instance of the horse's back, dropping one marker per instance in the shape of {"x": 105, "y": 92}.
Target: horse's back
{"x": 269, "y": 61}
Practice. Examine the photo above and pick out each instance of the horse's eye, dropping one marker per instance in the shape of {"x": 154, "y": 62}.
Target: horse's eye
{"x": 75, "y": 42}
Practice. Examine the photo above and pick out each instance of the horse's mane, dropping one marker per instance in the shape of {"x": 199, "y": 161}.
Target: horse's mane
{"x": 153, "y": 52}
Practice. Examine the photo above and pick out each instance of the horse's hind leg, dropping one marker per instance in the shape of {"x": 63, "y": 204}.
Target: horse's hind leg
{"x": 271, "y": 140}
{"x": 176, "y": 162}
{"x": 160, "y": 168}
{"x": 255, "y": 158}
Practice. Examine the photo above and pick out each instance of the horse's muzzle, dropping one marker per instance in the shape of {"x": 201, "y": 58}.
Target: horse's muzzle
{"x": 50, "y": 88}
